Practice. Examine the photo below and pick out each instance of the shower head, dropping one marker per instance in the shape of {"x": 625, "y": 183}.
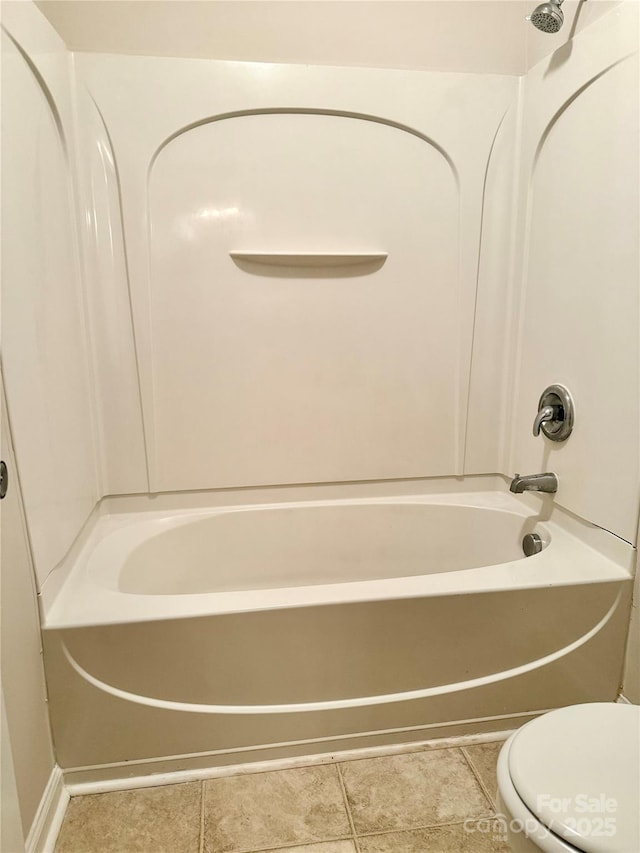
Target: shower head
{"x": 547, "y": 17}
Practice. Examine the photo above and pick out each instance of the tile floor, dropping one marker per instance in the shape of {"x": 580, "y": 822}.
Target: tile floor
{"x": 414, "y": 802}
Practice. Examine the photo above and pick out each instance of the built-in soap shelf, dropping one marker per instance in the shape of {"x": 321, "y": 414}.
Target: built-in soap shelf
{"x": 304, "y": 259}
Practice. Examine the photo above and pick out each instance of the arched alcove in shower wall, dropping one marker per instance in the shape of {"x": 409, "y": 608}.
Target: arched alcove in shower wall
{"x": 290, "y": 372}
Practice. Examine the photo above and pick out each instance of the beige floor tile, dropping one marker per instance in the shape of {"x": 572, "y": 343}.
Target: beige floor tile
{"x": 261, "y": 810}
{"x": 446, "y": 839}
{"x": 418, "y": 789}
{"x": 147, "y": 820}
{"x": 323, "y": 847}
{"x": 484, "y": 757}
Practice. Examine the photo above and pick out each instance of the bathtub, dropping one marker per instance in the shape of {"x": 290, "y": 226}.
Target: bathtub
{"x": 205, "y": 636}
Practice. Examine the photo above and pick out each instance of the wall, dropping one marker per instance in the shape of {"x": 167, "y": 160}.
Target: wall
{"x": 53, "y": 482}
{"x": 579, "y": 300}
{"x": 23, "y": 684}
{"x": 45, "y": 355}
{"x": 440, "y": 36}
{"x": 491, "y": 36}
{"x": 11, "y": 834}
{"x": 289, "y": 374}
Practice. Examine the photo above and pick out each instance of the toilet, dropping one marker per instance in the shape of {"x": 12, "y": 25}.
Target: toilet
{"x": 569, "y": 781}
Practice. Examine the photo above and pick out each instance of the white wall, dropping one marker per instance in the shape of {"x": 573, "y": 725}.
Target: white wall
{"x": 11, "y": 834}
{"x": 257, "y": 375}
{"x": 23, "y": 686}
{"x": 475, "y": 36}
{"x": 466, "y": 36}
{"x": 53, "y": 484}
{"x": 45, "y": 356}
{"x": 579, "y": 298}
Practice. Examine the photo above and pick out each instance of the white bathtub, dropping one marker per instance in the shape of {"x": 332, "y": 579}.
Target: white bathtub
{"x": 206, "y": 634}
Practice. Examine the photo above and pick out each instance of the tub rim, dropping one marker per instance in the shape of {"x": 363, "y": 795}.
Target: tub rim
{"x": 83, "y": 601}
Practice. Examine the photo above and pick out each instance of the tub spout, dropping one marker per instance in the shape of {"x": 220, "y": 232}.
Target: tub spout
{"x": 534, "y": 483}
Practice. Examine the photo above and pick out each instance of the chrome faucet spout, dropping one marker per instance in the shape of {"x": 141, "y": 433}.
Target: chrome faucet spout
{"x": 534, "y": 483}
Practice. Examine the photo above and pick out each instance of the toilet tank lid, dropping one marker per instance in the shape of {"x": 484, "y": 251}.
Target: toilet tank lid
{"x": 578, "y": 770}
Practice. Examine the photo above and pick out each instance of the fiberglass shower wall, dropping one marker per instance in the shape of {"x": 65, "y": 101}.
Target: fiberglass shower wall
{"x": 579, "y": 293}
{"x": 348, "y": 355}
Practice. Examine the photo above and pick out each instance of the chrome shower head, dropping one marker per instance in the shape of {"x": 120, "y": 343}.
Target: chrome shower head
{"x": 547, "y": 17}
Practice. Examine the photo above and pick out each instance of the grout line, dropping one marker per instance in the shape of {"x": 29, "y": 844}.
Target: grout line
{"x": 400, "y": 829}
{"x": 480, "y": 780}
{"x": 201, "y": 845}
{"x": 291, "y": 845}
{"x": 343, "y": 788}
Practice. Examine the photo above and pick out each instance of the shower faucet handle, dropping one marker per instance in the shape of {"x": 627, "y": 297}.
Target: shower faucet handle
{"x": 555, "y": 413}
{"x": 547, "y": 413}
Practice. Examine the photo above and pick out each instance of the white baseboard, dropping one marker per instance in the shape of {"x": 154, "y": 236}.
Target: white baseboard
{"x": 48, "y": 820}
